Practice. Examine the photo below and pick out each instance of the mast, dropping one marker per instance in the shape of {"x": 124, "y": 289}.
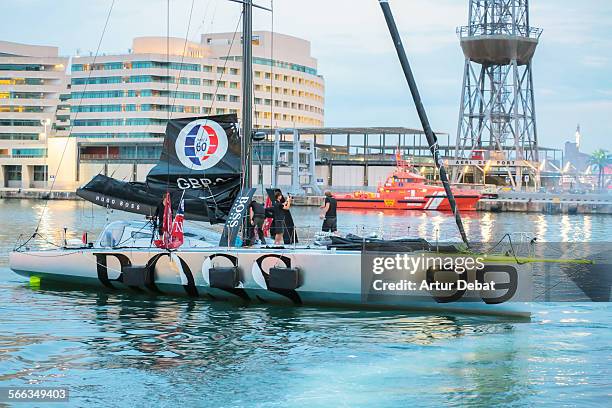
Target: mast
{"x": 247, "y": 89}
{"x": 432, "y": 140}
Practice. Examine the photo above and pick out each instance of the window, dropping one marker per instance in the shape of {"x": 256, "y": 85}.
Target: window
{"x": 13, "y": 173}
{"x": 234, "y": 71}
{"x": 21, "y": 67}
{"x": 220, "y": 70}
{"x": 208, "y": 82}
{"x": 206, "y": 68}
{"x": 220, "y": 111}
{"x": 234, "y": 85}
{"x": 234, "y": 98}
{"x": 164, "y": 64}
{"x": 117, "y": 135}
{"x": 119, "y": 122}
{"x": 30, "y": 152}
{"x": 97, "y": 80}
{"x": 18, "y": 136}
{"x": 19, "y": 122}
{"x": 222, "y": 98}
{"x": 40, "y": 173}
{"x": 221, "y": 84}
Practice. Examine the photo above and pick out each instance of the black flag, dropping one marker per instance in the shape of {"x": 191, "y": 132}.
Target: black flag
{"x": 200, "y": 156}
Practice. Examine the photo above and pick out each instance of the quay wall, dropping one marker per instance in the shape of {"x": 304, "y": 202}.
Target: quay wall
{"x": 506, "y": 202}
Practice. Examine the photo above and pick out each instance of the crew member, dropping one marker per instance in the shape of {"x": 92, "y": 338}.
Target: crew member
{"x": 281, "y": 212}
{"x": 257, "y": 217}
{"x": 328, "y": 213}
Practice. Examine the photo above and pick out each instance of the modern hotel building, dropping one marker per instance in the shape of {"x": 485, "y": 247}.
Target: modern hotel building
{"x": 33, "y": 91}
{"x": 119, "y": 104}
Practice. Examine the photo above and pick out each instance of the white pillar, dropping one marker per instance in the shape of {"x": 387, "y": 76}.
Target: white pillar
{"x": 26, "y": 176}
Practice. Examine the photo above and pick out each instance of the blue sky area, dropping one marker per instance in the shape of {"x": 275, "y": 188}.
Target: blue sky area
{"x": 365, "y": 85}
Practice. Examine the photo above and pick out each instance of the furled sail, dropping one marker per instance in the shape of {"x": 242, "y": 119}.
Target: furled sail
{"x": 200, "y": 157}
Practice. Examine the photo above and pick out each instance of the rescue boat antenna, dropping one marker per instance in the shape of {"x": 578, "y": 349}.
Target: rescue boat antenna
{"x": 432, "y": 140}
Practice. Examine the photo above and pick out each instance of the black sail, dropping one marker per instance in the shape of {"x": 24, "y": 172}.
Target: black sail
{"x": 200, "y": 162}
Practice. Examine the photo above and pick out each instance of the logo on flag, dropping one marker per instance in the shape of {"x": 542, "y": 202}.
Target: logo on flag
{"x": 201, "y": 144}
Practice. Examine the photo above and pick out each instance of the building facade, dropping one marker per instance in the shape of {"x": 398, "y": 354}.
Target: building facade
{"x": 33, "y": 94}
{"x": 113, "y": 119}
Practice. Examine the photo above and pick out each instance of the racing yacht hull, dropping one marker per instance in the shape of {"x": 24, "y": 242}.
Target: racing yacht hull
{"x": 326, "y": 277}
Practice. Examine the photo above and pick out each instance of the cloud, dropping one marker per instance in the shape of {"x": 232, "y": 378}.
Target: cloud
{"x": 593, "y": 61}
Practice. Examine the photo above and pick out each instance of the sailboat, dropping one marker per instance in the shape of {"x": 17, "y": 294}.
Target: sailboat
{"x": 205, "y": 164}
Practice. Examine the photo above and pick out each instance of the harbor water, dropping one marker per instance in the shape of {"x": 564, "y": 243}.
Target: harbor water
{"x": 109, "y": 348}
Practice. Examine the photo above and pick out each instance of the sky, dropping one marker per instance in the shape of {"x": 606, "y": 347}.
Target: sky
{"x": 364, "y": 82}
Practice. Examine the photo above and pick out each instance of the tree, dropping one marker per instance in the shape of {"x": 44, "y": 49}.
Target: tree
{"x": 600, "y": 159}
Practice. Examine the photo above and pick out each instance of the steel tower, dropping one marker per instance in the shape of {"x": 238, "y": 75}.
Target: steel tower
{"x": 497, "y": 119}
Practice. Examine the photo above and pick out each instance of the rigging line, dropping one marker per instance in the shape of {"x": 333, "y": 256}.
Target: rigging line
{"x": 272, "y": 101}
{"x": 75, "y": 116}
{"x": 215, "y": 97}
{"x": 202, "y": 25}
{"x": 225, "y": 62}
{"x": 168, "y": 76}
{"x": 178, "y": 79}
{"x": 272, "y": 65}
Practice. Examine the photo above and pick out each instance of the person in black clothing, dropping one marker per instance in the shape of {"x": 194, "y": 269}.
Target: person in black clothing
{"x": 281, "y": 213}
{"x": 328, "y": 213}
{"x": 257, "y": 217}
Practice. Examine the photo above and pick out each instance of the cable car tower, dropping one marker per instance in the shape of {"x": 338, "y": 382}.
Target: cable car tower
{"x": 497, "y": 119}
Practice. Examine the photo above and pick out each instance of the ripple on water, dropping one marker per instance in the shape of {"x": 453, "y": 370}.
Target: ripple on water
{"x": 105, "y": 347}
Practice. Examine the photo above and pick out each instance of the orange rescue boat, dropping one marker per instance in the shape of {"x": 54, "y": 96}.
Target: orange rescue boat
{"x": 407, "y": 190}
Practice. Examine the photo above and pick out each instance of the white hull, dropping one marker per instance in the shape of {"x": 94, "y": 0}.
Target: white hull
{"x": 327, "y": 277}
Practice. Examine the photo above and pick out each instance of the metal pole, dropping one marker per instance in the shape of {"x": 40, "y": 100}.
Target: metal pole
{"x": 247, "y": 88}
{"x": 431, "y": 137}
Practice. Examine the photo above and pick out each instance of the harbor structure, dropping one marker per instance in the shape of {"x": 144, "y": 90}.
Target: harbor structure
{"x": 497, "y": 132}
{"x": 33, "y": 108}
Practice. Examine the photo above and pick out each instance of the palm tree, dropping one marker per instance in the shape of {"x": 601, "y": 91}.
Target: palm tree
{"x": 600, "y": 159}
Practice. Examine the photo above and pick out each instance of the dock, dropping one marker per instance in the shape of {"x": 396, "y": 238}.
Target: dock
{"x": 543, "y": 203}
{"x": 548, "y": 203}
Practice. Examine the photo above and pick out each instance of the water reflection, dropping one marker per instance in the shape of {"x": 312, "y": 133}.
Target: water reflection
{"x": 79, "y": 217}
{"x": 117, "y": 331}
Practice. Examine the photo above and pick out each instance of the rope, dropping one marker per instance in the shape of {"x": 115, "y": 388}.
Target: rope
{"x": 178, "y": 79}
{"x": 42, "y": 214}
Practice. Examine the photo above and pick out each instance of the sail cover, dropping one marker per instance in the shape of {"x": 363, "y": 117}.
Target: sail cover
{"x": 200, "y": 156}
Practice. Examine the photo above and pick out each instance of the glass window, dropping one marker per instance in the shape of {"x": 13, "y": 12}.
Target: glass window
{"x": 30, "y": 152}
{"x": 18, "y": 136}
{"x": 13, "y": 173}
{"x": 40, "y": 173}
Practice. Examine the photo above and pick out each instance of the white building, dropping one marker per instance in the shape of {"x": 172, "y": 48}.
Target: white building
{"x": 33, "y": 81}
{"x": 119, "y": 104}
